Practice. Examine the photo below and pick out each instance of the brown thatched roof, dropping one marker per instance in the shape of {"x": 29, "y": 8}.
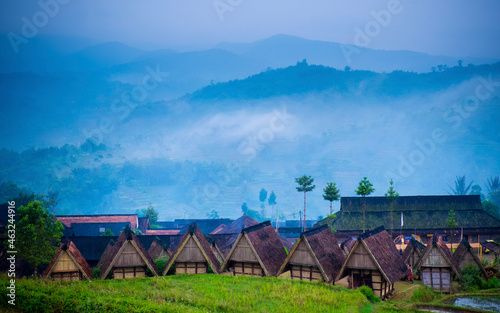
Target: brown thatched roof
{"x": 67, "y": 220}
{"x": 104, "y": 255}
{"x": 108, "y": 258}
{"x": 347, "y": 245}
{"x": 235, "y": 227}
{"x": 465, "y": 249}
{"x": 419, "y": 212}
{"x": 157, "y": 248}
{"x": 438, "y": 242}
{"x": 194, "y": 232}
{"x": 75, "y": 255}
{"x": 413, "y": 246}
{"x": 266, "y": 245}
{"x": 218, "y": 229}
{"x": 323, "y": 246}
{"x": 384, "y": 253}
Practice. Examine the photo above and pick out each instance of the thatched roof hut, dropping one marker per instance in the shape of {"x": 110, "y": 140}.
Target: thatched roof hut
{"x": 127, "y": 258}
{"x": 258, "y": 251}
{"x": 347, "y": 245}
{"x": 68, "y": 264}
{"x": 158, "y": 249}
{"x": 413, "y": 252}
{"x": 426, "y": 214}
{"x": 193, "y": 254}
{"x": 437, "y": 265}
{"x": 464, "y": 255}
{"x": 315, "y": 256}
{"x": 236, "y": 226}
{"x": 375, "y": 262}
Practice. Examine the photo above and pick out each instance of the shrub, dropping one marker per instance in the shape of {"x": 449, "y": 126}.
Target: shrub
{"x": 470, "y": 280}
{"x": 491, "y": 283}
{"x": 96, "y": 271}
{"x": 160, "y": 264}
{"x": 491, "y": 271}
{"x": 423, "y": 294}
{"x": 368, "y": 293}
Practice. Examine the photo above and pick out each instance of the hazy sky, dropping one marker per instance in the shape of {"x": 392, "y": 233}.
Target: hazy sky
{"x": 458, "y": 28}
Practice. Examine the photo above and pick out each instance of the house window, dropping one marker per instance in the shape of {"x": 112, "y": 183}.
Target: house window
{"x": 102, "y": 230}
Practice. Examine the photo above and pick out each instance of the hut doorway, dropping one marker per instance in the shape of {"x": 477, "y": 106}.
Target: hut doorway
{"x": 439, "y": 278}
{"x": 362, "y": 278}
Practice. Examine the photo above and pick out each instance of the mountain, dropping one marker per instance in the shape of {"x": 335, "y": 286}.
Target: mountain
{"x": 284, "y": 50}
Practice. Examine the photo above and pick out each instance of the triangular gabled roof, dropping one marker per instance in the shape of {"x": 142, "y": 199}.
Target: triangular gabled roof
{"x": 438, "y": 243}
{"x": 106, "y": 252}
{"x": 157, "y": 248}
{"x": 238, "y": 225}
{"x": 324, "y": 249}
{"x": 218, "y": 229}
{"x": 194, "y": 232}
{"x": 413, "y": 245}
{"x": 75, "y": 255}
{"x": 266, "y": 246}
{"x": 383, "y": 253}
{"x": 347, "y": 245}
{"x": 465, "y": 249}
{"x": 108, "y": 259}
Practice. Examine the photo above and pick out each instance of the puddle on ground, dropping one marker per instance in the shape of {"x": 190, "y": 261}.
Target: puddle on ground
{"x": 479, "y": 302}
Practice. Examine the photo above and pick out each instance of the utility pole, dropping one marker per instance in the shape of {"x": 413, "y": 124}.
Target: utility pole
{"x": 300, "y": 216}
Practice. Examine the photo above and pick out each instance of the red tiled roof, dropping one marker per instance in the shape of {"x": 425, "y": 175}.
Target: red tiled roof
{"x": 158, "y": 232}
{"x": 67, "y": 220}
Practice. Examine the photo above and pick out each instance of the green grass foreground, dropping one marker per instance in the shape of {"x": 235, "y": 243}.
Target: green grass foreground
{"x": 187, "y": 293}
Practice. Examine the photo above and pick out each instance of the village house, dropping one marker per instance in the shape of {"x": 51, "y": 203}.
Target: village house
{"x": 68, "y": 264}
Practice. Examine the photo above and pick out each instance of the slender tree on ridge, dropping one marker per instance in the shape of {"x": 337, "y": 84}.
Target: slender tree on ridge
{"x": 331, "y": 193}
{"x": 365, "y": 188}
{"x": 305, "y": 185}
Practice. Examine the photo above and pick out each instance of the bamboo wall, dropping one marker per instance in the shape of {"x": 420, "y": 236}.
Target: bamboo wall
{"x": 243, "y": 252}
{"x": 248, "y": 269}
{"x": 191, "y": 268}
{"x": 304, "y": 272}
{"x": 434, "y": 259}
{"x": 439, "y": 278}
{"x": 360, "y": 258}
{"x": 66, "y": 269}
{"x": 191, "y": 253}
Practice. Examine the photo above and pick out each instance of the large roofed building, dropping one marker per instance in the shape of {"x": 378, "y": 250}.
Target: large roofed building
{"x": 420, "y": 215}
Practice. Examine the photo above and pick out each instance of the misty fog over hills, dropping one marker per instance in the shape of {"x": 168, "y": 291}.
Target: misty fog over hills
{"x": 114, "y": 128}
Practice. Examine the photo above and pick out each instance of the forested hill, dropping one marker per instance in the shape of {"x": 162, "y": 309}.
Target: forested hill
{"x": 305, "y": 79}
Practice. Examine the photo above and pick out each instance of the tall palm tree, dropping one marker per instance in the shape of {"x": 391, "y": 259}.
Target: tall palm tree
{"x": 305, "y": 185}
{"x": 460, "y": 186}
{"x": 392, "y": 195}
{"x": 331, "y": 193}
{"x": 365, "y": 188}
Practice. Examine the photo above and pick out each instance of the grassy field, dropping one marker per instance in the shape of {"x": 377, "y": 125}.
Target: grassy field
{"x": 187, "y": 293}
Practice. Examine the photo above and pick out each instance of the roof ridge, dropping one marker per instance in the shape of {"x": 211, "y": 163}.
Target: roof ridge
{"x": 256, "y": 227}
{"x": 372, "y": 232}
{"x": 314, "y": 231}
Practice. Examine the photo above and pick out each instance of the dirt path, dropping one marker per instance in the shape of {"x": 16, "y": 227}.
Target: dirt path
{"x": 404, "y": 291}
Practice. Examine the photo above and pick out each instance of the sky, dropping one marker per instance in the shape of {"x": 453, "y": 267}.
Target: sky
{"x": 448, "y": 27}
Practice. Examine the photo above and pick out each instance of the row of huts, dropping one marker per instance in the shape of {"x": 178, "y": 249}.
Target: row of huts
{"x": 371, "y": 260}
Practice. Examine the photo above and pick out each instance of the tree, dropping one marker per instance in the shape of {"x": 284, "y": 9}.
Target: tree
{"x": 262, "y": 199}
{"x": 151, "y": 214}
{"x": 213, "y": 215}
{"x": 491, "y": 208}
{"x": 460, "y": 186}
{"x": 272, "y": 200}
{"x": 365, "y": 188}
{"x": 305, "y": 185}
{"x": 331, "y": 193}
{"x": 493, "y": 184}
{"x": 251, "y": 213}
{"x": 38, "y": 234}
{"x": 477, "y": 190}
{"x": 391, "y": 195}
{"x": 450, "y": 224}
{"x": 107, "y": 232}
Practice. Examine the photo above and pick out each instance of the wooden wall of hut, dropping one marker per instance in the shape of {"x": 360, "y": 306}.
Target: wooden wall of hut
{"x": 191, "y": 260}
{"x": 129, "y": 263}
{"x": 65, "y": 269}
{"x": 303, "y": 266}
